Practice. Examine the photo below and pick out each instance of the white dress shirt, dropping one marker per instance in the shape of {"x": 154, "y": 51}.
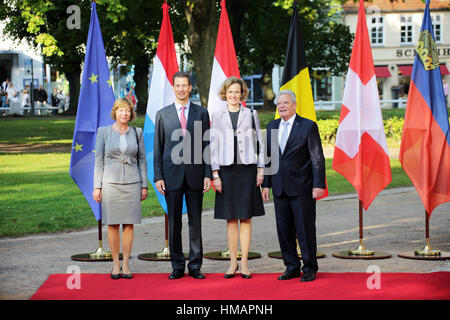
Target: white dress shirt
{"x": 281, "y": 127}
{"x": 179, "y": 106}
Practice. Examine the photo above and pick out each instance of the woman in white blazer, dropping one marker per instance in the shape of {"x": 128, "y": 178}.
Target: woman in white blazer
{"x": 120, "y": 181}
{"x": 237, "y": 164}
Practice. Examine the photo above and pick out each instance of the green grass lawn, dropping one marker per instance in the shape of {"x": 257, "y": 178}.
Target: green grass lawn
{"x": 38, "y": 195}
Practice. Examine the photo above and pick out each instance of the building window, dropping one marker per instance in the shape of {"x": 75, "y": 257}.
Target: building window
{"x": 437, "y": 19}
{"x": 376, "y": 30}
{"x": 406, "y": 30}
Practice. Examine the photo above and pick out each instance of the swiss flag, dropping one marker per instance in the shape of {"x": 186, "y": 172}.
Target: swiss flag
{"x": 361, "y": 153}
{"x": 225, "y": 62}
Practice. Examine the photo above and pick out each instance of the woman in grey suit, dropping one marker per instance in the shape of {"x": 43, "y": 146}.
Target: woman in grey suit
{"x": 237, "y": 169}
{"x": 120, "y": 181}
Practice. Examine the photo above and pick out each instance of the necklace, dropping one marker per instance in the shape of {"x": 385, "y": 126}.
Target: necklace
{"x": 122, "y": 131}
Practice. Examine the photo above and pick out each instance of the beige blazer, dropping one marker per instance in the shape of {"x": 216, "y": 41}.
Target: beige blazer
{"x": 222, "y": 139}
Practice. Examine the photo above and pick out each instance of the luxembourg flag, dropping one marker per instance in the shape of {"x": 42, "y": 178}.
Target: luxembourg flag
{"x": 161, "y": 93}
{"x": 225, "y": 62}
{"x": 361, "y": 153}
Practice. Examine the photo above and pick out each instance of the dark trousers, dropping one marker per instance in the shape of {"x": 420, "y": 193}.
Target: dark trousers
{"x": 296, "y": 217}
{"x": 194, "y": 199}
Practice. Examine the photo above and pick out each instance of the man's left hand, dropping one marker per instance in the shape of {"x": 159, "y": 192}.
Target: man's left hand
{"x": 317, "y": 192}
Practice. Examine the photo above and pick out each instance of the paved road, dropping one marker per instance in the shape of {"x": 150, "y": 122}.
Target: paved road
{"x": 394, "y": 223}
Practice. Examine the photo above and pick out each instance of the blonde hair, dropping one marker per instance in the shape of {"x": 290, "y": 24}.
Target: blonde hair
{"x": 123, "y": 103}
{"x": 228, "y": 82}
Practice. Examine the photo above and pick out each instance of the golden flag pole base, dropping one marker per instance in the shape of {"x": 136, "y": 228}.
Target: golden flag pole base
{"x": 100, "y": 252}
{"x": 225, "y": 255}
{"x": 426, "y": 253}
{"x": 164, "y": 254}
{"x": 361, "y": 252}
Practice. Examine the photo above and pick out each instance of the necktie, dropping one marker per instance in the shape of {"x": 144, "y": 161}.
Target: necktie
{"x": 284, "y": 136}
{"x": 183, "y": 119}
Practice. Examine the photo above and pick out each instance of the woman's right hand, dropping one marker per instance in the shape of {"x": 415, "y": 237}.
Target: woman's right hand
{"x": 97, "y": 195}
{"x": 217, "y": 185}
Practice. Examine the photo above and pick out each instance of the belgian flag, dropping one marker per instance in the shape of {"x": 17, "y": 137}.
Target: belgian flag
{"x": 295, "y": 73}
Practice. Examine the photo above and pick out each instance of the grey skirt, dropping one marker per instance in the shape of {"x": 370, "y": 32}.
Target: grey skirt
{"x": 121, "y": 203}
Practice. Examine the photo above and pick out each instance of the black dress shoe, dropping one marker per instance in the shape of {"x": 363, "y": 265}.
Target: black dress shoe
{"x": 115, "y": 276}
{"x": 246, "y": 276}
{"x": 176, "y": 274}
{"x": 196, "y": 274}
{"x": 231, "y": 275}
{"x": 289, "y": 275}
{"x": 127, "y": 276}
{"x": 309, "y": 276}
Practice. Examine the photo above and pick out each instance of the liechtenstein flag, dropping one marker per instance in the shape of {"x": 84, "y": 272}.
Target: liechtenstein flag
{"x": 161, "y": 93}
{"x": 425, "y": 145}
{"x": 94, "y": 110}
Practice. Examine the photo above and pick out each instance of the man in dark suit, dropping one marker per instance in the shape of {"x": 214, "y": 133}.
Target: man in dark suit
{"x": 180, "y": 170}
{"x": 295, "y": 143}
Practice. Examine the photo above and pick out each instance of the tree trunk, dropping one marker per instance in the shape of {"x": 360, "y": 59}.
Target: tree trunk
{"x": 202, "y": 20}
{"x": 74, "y": 89}
{"x": 266, "y": 85}
{"x": 141, "y": 78}
{"x": 236, "y": 14}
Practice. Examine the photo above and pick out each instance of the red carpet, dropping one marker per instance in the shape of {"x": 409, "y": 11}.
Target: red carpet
{"x": 263, "y": 286}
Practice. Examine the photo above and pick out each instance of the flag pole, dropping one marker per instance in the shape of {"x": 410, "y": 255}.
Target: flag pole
{"x": 427, "y": 251}
{"x": 361, "y": 252}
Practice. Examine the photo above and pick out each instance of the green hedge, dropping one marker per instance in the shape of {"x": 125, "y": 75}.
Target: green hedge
{"x": 393, "y": 128}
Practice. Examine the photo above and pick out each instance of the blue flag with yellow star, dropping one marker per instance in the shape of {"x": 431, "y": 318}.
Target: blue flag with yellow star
{"x": 94, "y": 110}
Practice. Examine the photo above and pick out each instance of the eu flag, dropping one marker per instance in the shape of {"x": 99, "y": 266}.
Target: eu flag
{"x": 94, "y": 108}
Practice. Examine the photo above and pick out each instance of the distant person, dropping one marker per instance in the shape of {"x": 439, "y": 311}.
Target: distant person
{"x": 55, "y": 100}
{"x": 131, "y": 97}
{"x": 120, "y": 181}
{"x": 5, "y": 85}
{"x": 26, "y": 101}
{"x": 41, "y": 95}
{"x": 62, "y": 99}
{"x": 13, "y": 96}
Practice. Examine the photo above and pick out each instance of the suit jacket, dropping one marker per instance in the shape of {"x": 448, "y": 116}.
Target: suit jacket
{"x": 302, "y": 165}
{"x": 175, "y": 156}
{"x": 114, "y": 167}
{"x": 222, "y": 139}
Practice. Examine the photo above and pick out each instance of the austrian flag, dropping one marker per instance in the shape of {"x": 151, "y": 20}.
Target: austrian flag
{"x": 360, "y": 153}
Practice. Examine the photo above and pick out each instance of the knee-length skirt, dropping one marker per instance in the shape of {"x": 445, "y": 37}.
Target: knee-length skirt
{"x": 240, "y": 197}
{"x": 121, "y": 203}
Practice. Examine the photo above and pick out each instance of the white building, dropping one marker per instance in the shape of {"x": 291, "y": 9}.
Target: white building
{"x": 15, "y": 63}
{"x": 394, "y": 29}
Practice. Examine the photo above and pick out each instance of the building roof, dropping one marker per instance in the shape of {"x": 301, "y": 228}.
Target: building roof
{"x": 398, "y": 5}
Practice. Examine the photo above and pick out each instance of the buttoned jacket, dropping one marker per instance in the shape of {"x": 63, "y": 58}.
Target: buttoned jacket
{"x": 114, "y": 167}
